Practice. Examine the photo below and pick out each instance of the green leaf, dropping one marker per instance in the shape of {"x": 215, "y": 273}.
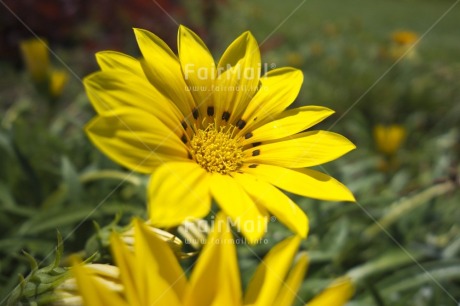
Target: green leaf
{"x": 50, "y": 220}
{"x": 6, "y": 198}
{"x": 5, "y": 144}
{"x": 71, "y": 180}
{"x": 414, "y": 276}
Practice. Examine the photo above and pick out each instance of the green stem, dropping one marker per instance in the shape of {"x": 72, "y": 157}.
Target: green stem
{"x": 110, "y": 174}
{"x": 386, "y": 262}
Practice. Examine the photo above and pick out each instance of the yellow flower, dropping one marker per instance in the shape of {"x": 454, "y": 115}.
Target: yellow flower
{"x": 151, "y": 275}
{"x": 316, "y": 49}
{"x": 36, "y": 57}
{"x": 330, "y": 29}
{"x": 67, "y": 292}
{"x": 389, "y": 138}
{"x": 213, "y": 131}
{"x": 404, "y": 37}
{"x": 403, "y": 45}
{"x": 295, "y": 59}
{"x": 58, "y": 79}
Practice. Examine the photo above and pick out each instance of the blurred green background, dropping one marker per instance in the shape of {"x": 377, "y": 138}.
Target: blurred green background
{"x": 390, "y": 70}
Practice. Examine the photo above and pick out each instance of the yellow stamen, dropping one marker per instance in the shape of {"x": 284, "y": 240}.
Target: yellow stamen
{"x": 216, "y": 150}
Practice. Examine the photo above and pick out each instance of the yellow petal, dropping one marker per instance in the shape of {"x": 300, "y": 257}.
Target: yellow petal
{"x": 278, "y": 89}
{"x": 126, "y": 263}
{"x": 290, "y": 288}
{"x": 304, "y": 182}
{"x": 110, "y": 91}
{"x": 337, "y": 294}
{"x": 112, "y": 60}
{"x": 302, "y": 150}
{"x": 216, "y": 279}
{"x": 178, "y": 191}
{"x": 276, "y": 202}
{"x": 104, "y": 271}
{"x": 250, "y": 219}
{"x": 239, "y": 74}
{"x": 135, "y": 139}
{"x": 198, "y": 67}
{"x": 163, "y": 70}
{"x": 289, "y": 123}
{"x": 271, "y": 272}
{"x": 163, "y": 279}
{"x": 92, "y": 291}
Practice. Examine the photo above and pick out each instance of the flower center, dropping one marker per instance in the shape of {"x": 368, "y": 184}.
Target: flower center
{"x": 216, "y": 150}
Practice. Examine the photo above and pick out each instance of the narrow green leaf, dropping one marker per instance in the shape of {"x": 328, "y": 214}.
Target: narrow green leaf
{"x": 71, "y": 180}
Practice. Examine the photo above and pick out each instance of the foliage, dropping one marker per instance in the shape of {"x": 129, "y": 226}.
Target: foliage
{"x": 52, "y": 178}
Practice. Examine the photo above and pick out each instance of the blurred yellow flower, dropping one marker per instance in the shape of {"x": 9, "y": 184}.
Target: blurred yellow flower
{"x": 316, "y": 49}
{"x": 404, "y": 37}
{"x": 67, "y": 293}
{"x": 403, "y": 44}
{"x": 36, "y": 57}
{"x": 151, "y": 274}
{"x": 389, "y": 138}
{"x": 295, "y": 59}
{"x": 330, "y": 29}
{"x": 205, "y": 131}
{"x": 58, "y": 79}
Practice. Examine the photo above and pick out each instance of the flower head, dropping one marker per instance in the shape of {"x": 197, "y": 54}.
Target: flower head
{"x": 151, "y": 275}
{"x": 403, "y": 45}
{"x": 404, "y": 37}
{"x": 213, "y": 131}
{"x": 57, "y": 80}
{"x": 36, "y": 58}
{"x": 67, "y": 292}
{"x": 389, "y": 138}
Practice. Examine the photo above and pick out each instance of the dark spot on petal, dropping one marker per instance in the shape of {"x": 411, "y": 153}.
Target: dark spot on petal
{"x": 248, "y": 135}
{"x": 255, "y": 144}
{"x": 210, "y": 110}
{"x": 195, "y": 113}
{"x": 241, "y": 124}
{"x": 226, "y": 116}
{"x": 184, "y": 124}
{"x": 255, "y": 152}
{"x": 252, "y": 166}
{"x": 184, "y": 138}
{"x": 189, "y": 155}
{"x": 255, "y": 118}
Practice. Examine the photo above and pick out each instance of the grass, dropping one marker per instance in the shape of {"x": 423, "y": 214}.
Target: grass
{"x": 53, "y": 178}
